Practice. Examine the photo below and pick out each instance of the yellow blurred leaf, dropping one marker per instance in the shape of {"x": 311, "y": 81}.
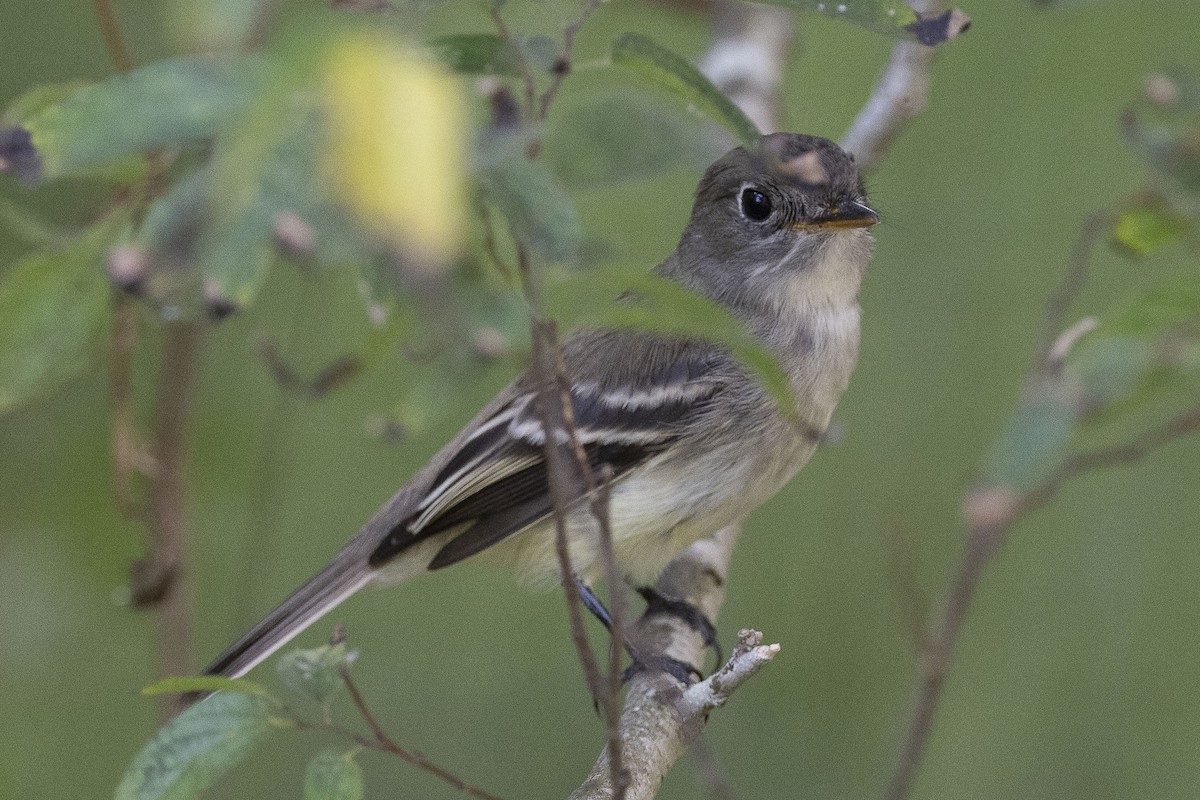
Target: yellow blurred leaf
{"x": 397, "y": 145}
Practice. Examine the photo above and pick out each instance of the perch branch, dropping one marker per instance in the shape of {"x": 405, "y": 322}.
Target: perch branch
{"x": 901, "y": 94}
{"x": 661, "y": 717}
{"x": 747, "y": 59}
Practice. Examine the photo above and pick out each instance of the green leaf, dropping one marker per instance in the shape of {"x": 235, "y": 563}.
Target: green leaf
{"x": 196, "y": 747}
{"x": 476, "y": 54}
{"x": 333, "y": 776}
{"x": 315, "y": 672}
{"x": 623, "y": 137}
{"x": 1111, "y": 369}
{"x": 887, "y": 17}
{"x": 1034, "y": 441}
{"x": 1169, "y": 304}
{"x": 1141, "y": 231}
{"x": 27, "y": 226}
{"x": 675, "y": 75}
{"x": 53, "y": 309}
{"x": 36, "y": 100}
{"x": 1136, "y": 354}
{"x": 650, "y": 302}
{"x": 203, "y": 683}
{"x": 163, "y": 104}
{"x": 537, "y": 208}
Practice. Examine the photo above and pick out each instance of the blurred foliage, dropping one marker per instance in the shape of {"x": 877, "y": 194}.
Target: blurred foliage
{"x": 1149, "y": 345}
{"x": 332, "y": 776}
{"x": 53, "y": 308}
{"x": 272, "y": 171}
{"x": 668, "y": 71}
{"x": 196, "y": 747}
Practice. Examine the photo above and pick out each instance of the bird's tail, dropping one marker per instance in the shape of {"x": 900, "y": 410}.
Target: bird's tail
{"x": 341, "y": 578}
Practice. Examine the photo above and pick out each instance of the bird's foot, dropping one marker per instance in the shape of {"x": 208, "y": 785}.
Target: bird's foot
{"x": 659, "y": 603}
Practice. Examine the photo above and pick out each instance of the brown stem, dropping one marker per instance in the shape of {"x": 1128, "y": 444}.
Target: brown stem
{"x": 122, "y": 428}
{"x": 562, "y": 65}
{"x": 935, "y": 662}
{"x": 567, "y": 481}
{"x": 519, "y": 53}
{"x": 170, "y": 532}
{"x": 382, "y": 741}
{"x": 111, "y": 30}
{"x": 983, "y": 541}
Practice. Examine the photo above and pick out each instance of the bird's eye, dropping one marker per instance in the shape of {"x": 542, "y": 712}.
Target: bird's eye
{"x": 755, "y": 204}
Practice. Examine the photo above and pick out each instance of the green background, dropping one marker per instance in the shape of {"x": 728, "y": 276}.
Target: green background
{"x": 1079, "y": 670}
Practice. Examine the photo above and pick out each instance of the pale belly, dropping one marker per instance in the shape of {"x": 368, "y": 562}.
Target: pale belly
{"x": 655, "y": 515}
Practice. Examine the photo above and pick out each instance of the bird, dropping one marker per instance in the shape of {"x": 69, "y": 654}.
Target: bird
{"x": 681, "y": 436}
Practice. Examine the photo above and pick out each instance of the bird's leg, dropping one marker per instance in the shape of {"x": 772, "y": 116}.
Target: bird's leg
{"x": 593, "y": 604}
{"x": 684, "y": 673}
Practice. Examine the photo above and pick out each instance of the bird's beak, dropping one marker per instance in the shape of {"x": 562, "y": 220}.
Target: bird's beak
{"x": 849, "y": 214}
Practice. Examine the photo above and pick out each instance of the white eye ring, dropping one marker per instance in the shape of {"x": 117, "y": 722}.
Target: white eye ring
{"x": 754, "y": 203}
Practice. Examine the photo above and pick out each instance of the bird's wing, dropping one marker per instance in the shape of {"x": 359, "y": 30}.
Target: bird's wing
{"x": 496, "y": 483}
{"x": 491, "y": 478}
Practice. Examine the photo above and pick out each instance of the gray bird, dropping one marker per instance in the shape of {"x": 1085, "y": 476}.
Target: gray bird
{"x": 689, "y": 439}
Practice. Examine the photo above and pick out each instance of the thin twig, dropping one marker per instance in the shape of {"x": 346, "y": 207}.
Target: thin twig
{"x": 519, "y": 53}
{"x": 554, "y": 405}
{"x": 599, "y": 492}
{"x": 565, "y": 484}
{"x": 1054, "y": 316}
{"x": 562, "y": 64}
{"x": 1183, "y": 424}
{"x": 552, "y": 411}
{"x": 986, "y": 536}
{"x": 563, "y": 490}
{"x": 161, "y": 579}
{"x": 111, "y": 30}
{"x": 381, "y": 741}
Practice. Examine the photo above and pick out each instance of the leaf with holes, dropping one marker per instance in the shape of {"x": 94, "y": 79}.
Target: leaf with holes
{"x": 333, "y": 776}
{"x": 315, "y": 672}
{"x": 196, "y": 747}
